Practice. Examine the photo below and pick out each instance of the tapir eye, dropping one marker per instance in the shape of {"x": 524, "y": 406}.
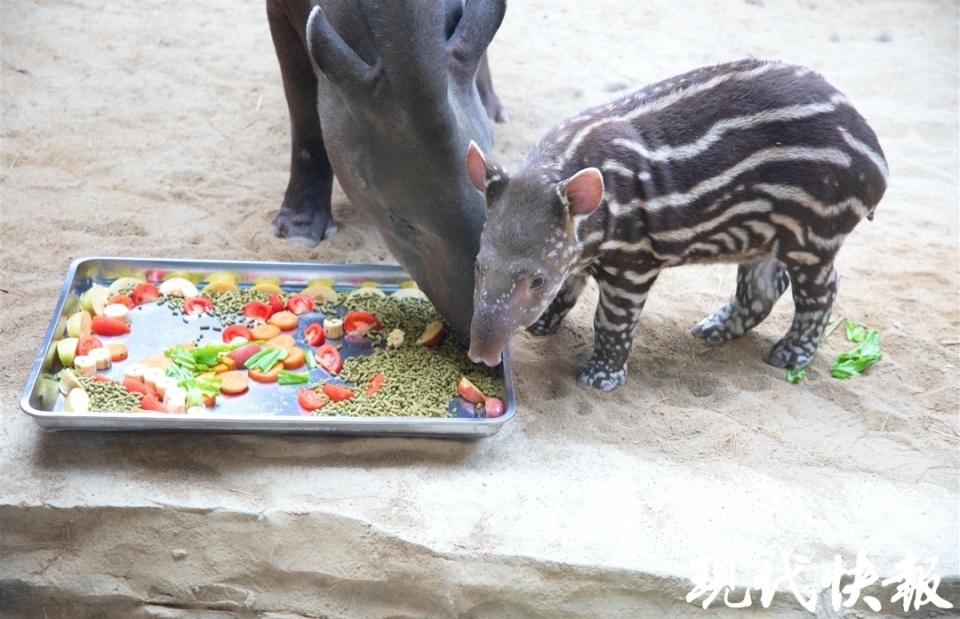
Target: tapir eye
{"x": 536, "y": 282}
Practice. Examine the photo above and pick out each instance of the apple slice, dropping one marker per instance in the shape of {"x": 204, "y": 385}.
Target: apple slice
{"x": 79, "y": 323}
{"x": 469, "y": 392}
{"x": 432, "y": 335}
{"x": 67, "y": 350}
{"x": 95, "y": 299}
{"x": 493, "y": 407}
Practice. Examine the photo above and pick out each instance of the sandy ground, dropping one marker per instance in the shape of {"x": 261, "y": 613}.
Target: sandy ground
{"x": 160, "y": 129}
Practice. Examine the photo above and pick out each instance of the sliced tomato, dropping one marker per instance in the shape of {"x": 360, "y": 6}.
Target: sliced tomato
{"x": 144, "y": 292}
{"x": 88, "y": 343}
{"x": 197, "y": 305}
{"x": 375, "y": 383}
{"x": 309, "y": 399}
{"x": 276, "y": 304}
{"x": 122, "y": 299}
{"x": 237, "y": 331}
{"x": 301, "y": 304}
{"x": 337, "y": 393}
{"x": 313, "y": 334}
{"x": 359, "y": 322}
{"x": 258, "y": 310}
{"x": 329, "y": 359}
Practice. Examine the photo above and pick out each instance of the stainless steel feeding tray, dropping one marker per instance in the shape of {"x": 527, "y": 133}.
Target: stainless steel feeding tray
{"x": 265, "y": 407}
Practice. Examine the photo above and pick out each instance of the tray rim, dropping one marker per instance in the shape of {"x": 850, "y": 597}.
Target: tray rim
{"x": 257, "y": 423}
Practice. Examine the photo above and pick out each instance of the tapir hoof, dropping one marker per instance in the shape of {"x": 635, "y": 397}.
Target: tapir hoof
{"x": 303, "y": 228}
{"x": 601, "y": 375}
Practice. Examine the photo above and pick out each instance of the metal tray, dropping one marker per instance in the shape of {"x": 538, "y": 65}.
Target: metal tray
{"x": 84, "y": 272}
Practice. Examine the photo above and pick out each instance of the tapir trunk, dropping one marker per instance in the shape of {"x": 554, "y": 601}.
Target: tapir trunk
{"x": 489, "y": 333}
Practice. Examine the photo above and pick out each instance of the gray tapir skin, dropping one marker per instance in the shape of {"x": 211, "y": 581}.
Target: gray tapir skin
{"x": 384, "y": 95}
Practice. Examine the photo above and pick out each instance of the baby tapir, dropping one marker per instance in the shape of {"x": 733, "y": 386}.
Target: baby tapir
{"x": 754, "y": 162}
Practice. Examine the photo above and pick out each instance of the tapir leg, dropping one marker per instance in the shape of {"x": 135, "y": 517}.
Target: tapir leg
{"x": 491, "y": 103}
{"x": 614, "y": 327}
{"x": 305, "y": 215}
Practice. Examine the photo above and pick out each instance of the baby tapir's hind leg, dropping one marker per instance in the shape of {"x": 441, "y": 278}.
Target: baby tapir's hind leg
{"x": 759, "y": 285}
{"x": 561, "y": 305}
{"x": 814, "y": 291}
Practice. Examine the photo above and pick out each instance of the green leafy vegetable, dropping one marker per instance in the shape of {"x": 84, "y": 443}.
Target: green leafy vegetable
{"x": 854, "y": 362}
{"x": 293, "y": 378}
{"x": 855, "y": 331}
{"x": 266, "y": 359}
{"x": 796, "y": 375}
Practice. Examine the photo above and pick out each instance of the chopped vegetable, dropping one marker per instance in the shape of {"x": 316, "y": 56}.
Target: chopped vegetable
{"x": 337, "y": 393}
{"x": 235, "y": 331}
{"x": 102, "y": 325}
{"x": 144, "y": 292}
{"x": 265, "y": 331}
{"x": 269, "y": 375}
{"x": 855, "y": 362}
{"x": 276, "y": 303}
{"x": 287, "y": 321}
{"x": 266, "y": 359}
{"x": 309, "y": 399}
{"x": 86, "y": 343}
{"x": 118, "y": 352}
{"x": 150, "y": 402}
{"x": 258, "y": 310}
{"x": 300, "y": 304}
{"x": 359, "y": 322}
{"x": 796, "y": 375}
{"x": 329, "y": 359}
{"x": 136, "y": 386}
{"x": 242, "y": 354}
{"x": 283, "y": 340}
{"x": 295, "y": 358}
{"x": 122, "y": 299}
{"x": 855, "y": 331}
{"x": 198, "y": 305}
{"x": 313, "y": 334}
{"x": 234, "y": 382}
{"x": 375, "y": 383}
{"x": 286, "y": 377}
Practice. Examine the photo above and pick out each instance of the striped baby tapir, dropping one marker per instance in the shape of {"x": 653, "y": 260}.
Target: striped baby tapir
{"x": 753, "y": 162}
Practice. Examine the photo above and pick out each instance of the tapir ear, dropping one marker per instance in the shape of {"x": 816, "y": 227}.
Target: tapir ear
{"x": 477, "y": 167}
{"x": 583, "y": 192}
{"x": 483, "y": 172}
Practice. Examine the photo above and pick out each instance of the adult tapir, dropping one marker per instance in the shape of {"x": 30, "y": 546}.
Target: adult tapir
{"x": 385, "y": 96}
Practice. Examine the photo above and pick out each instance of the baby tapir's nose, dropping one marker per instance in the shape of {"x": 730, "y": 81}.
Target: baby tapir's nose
{"x": 486, "y": 357}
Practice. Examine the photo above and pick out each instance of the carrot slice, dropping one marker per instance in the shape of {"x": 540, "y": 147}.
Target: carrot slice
{"x": 104, "y": 325}
{"x": 118, "y": 352}
{"x": 286, "y": 320}
{"x": 282, "y": 341}
{"x": 265, "y": 331}
{"x": 270, "y": 376}
{"x": 233, "y": 382}
{"x": 294, "y": 359}
{"x": 228, "y": 362}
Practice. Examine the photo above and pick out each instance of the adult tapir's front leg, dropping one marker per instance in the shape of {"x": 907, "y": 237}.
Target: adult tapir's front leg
{"x": 622, "y": 297}
{"x": 305, "y": 215}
